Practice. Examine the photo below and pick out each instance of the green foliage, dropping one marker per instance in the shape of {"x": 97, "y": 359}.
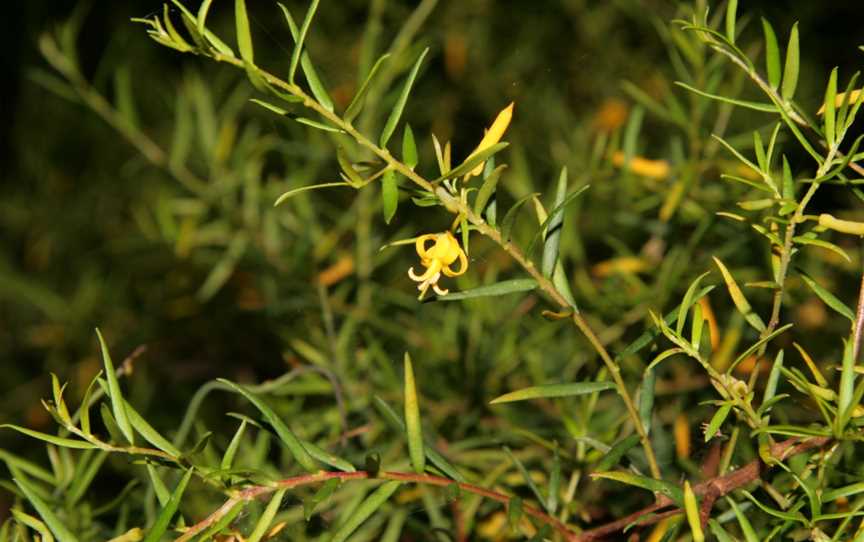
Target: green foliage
{"x": 221, "y": 246}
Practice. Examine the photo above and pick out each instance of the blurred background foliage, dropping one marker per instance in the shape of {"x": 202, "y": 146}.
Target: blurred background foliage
{"x": 215, "y": 282}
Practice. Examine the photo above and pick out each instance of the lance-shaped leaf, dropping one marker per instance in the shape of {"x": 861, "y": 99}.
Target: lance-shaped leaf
{"x": 356, "y": 104}
{"x": 552, "y": 232}
{"x": 118, "y": 404}
{"x": 473, "y": 161}
{"x": 45, "y": 511}
{"x": 396, "y": 113}
{"x": 487, "y": 189}
{"x": 267, "y": 517}
{"x": 168, "y": 511}
{"x": 790, "y": 72}
{"x": 731, "y": 15}
{"x": 300, "y": 40}
{"x": 738, "y": 298}
{"x": 830, "y": 108}
{"x": 301, "y": 455}
{"x": 434, "y": 457}
{"x": 315, "y": 84}
{"x": 658, "y": 486}
{"x": 413, "y": 429}
{"x": 52, "y": 439}
{"x": 553, "y": 390}
{"x": 828, "y": 298}
{"x": 499, "y": 288}
{"x": 369, "y": 506}
{"x": 409, "y": 147}
{"x": 389, "y": 195}
{"x": 772, "y": 54}
{"x": 614, "y": 455}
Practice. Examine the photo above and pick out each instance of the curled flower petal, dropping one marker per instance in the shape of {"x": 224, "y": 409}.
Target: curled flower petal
{"x": 437, "y": 259}
{"x": 463, "y": 266}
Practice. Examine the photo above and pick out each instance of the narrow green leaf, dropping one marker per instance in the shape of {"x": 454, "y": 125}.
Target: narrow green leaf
{"x": 790, "y": 72}
{"x": 412, "y": 419}
{"x": 717, "y": 420}
{"x": 738, "y": 298}
{"x": 743, "y": 522}
{"x": 473, "y": 161}
{"x": 15, "y": 462}
{"x": 487, "y": 189}
{"x": 432, "y": 454}
{"x": 687, "y": 301}
{"x": 164, "y": 518}
{"x": 85, "y": 471}
{"x": 828, "y": 298}
{"x": 526, "y": 476}
{"x": 757, "y": 106}
{"x": 758, "y": 344}
{"x": 369, "y": 506}
{"x": 696, "y": 327}
{"x": 267, "y": 517}
{"x": 396, "y": 113}
{"x": 846, "y": 387}
{"x": 719, "y": 532}
{"x": 830, "y": 108}
{"x": 614, "y": 455}
{"x": 292, "y": 193}
{"x": 244, "y": 36}
{"x": 552, "y": 231}
{"x": 554, "y": 482}
{"x": 118, "y": 404}
{"x": 285, "y": 434}
{"x": 202, "y": 16}
{"x": 647, "y": 337}
{"x": 326, "y": 457}
{"x": 323, "y": 493}
{"x": 845, "y": 491}
{"x": 409, "y": 148}
{"x": 389, "y": 195}
{"x": 356, "y": 104}
{"x": 159, "y": 487}
{"x": 499, "y": 288}
{"x": 646, "y": 398}
{"x": 658, "y": 486}
{"x": 52, "y": 439}
{"x": 806, "y": 240}
{"x": 300, "y": 40}
{"x": 143, "y": 428}
{"x": 731, "y": 15}
{"x": 84, "y": 410}
{"x": 230, "y": 452}
{"x": 759, "y": 149}
{"x": 773, "y": 377}
{"x": 772, "y": 54}
{"x": 553, "y": 390}
{"x": 45, "y": 511}
{"x": 315, "y": 84}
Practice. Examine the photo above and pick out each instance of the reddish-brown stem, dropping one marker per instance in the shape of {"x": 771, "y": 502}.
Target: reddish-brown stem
{"x": 709, "y": 491}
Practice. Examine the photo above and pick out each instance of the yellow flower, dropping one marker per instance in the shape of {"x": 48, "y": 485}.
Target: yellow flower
{"x": 437, "y": 259}
{"x": 491, "y": 137}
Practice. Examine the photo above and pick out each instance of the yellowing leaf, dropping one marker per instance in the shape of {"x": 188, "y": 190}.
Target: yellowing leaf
{"x": 656, "y": 169}
{"x": 841, "y": 97}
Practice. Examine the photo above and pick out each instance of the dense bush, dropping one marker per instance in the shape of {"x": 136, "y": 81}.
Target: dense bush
{"x": 637, "y": 288}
